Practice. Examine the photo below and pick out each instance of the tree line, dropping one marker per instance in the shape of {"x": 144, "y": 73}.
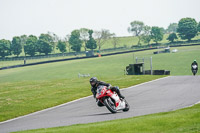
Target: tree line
{"x": 186, "y": 28}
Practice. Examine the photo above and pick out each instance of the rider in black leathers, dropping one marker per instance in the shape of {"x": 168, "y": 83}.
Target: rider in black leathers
{"x": 95, "y": 83}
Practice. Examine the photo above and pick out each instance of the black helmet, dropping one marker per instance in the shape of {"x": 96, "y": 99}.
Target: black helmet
{"x": 93, "y": 81}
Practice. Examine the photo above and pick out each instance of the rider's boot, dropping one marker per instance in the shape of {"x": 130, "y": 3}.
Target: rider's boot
{"x": 121, "y": 96}
{"x": 118, "y": 92}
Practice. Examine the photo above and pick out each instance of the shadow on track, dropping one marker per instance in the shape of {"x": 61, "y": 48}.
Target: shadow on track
{"x": 103, "y": 114}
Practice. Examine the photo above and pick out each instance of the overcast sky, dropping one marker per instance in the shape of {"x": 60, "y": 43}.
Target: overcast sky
{"x": 19, "y": 17}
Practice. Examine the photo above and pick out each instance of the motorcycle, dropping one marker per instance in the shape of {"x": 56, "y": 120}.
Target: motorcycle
{"x": 111, "y": 100}
{"x": 194, "y": 69}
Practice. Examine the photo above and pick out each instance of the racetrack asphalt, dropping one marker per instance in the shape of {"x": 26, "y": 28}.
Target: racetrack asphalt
{"x": 162, "y": 95}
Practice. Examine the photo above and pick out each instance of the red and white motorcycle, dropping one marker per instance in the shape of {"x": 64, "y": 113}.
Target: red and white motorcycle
{"x": 111, "y": 100}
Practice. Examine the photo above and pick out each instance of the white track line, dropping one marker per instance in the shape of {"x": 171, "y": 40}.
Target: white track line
{"x": 146, "y": 83}
{"x": 73, "y": 102}
{"x": 194, "y": 104}
{"x": 190, "y": 105}
{"x": 197, "y": 102}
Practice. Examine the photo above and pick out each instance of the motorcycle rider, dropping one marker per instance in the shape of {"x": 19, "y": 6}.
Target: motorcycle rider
{"x": 194, "y": 66}
{"x": 95, "y": 83}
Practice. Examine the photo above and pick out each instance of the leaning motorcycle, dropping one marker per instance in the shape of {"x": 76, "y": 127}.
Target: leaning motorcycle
{"x": 111, "y": 100}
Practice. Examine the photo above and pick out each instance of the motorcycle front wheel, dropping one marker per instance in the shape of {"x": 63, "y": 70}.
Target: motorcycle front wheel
{"x": 110, "y": 105}
{"x": 194, "y": 72}
{"x": 127, "y": 106}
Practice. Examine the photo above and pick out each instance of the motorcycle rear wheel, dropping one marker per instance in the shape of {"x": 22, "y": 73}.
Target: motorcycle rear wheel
{"x": 110, "y": 105}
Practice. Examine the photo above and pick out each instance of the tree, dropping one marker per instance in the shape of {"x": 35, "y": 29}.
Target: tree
{"x": 84, "y": 36}
{"x": 61, "y": 46}
{"x": 156, "y": 34}
{"x": 66, "y": 40}
{"x": 163, "y": 30}
{"x": 75, "y": 41}
{"x": 198, "y": 27}
{"x": 5, "y": 48}
{"x": 187, "y": 28}
{"x": 172, "y": 37}
{"x": 44, "y": 46}
{"x": 101, "y": 37}
{"x": 16, "y": 46}
{"x": 54, "y": 39}
{"x": 115, "y": 41}
{"x": 146, "y": 36}
{"x": 23, "y": 39}
{"x": 46, "y": 37}
{"x": 91, "y": 43}
{"x": 172, "y": 28}
{"x": 31, "y": 45}
{"x": 136, "y": 28}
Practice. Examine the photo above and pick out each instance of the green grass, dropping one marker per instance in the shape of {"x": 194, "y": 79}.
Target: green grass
{"x": 29, "y": 89}
{"x": 181, "y": 121}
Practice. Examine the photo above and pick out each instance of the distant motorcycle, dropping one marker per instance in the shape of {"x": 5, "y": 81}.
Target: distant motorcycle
{"x": 111, "y": 100}
{"x": 194, "y": 69}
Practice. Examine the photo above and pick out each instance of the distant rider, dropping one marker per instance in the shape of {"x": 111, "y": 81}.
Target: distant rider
{"x": 194, "y": 66}
{"x": 95, "y": 83}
